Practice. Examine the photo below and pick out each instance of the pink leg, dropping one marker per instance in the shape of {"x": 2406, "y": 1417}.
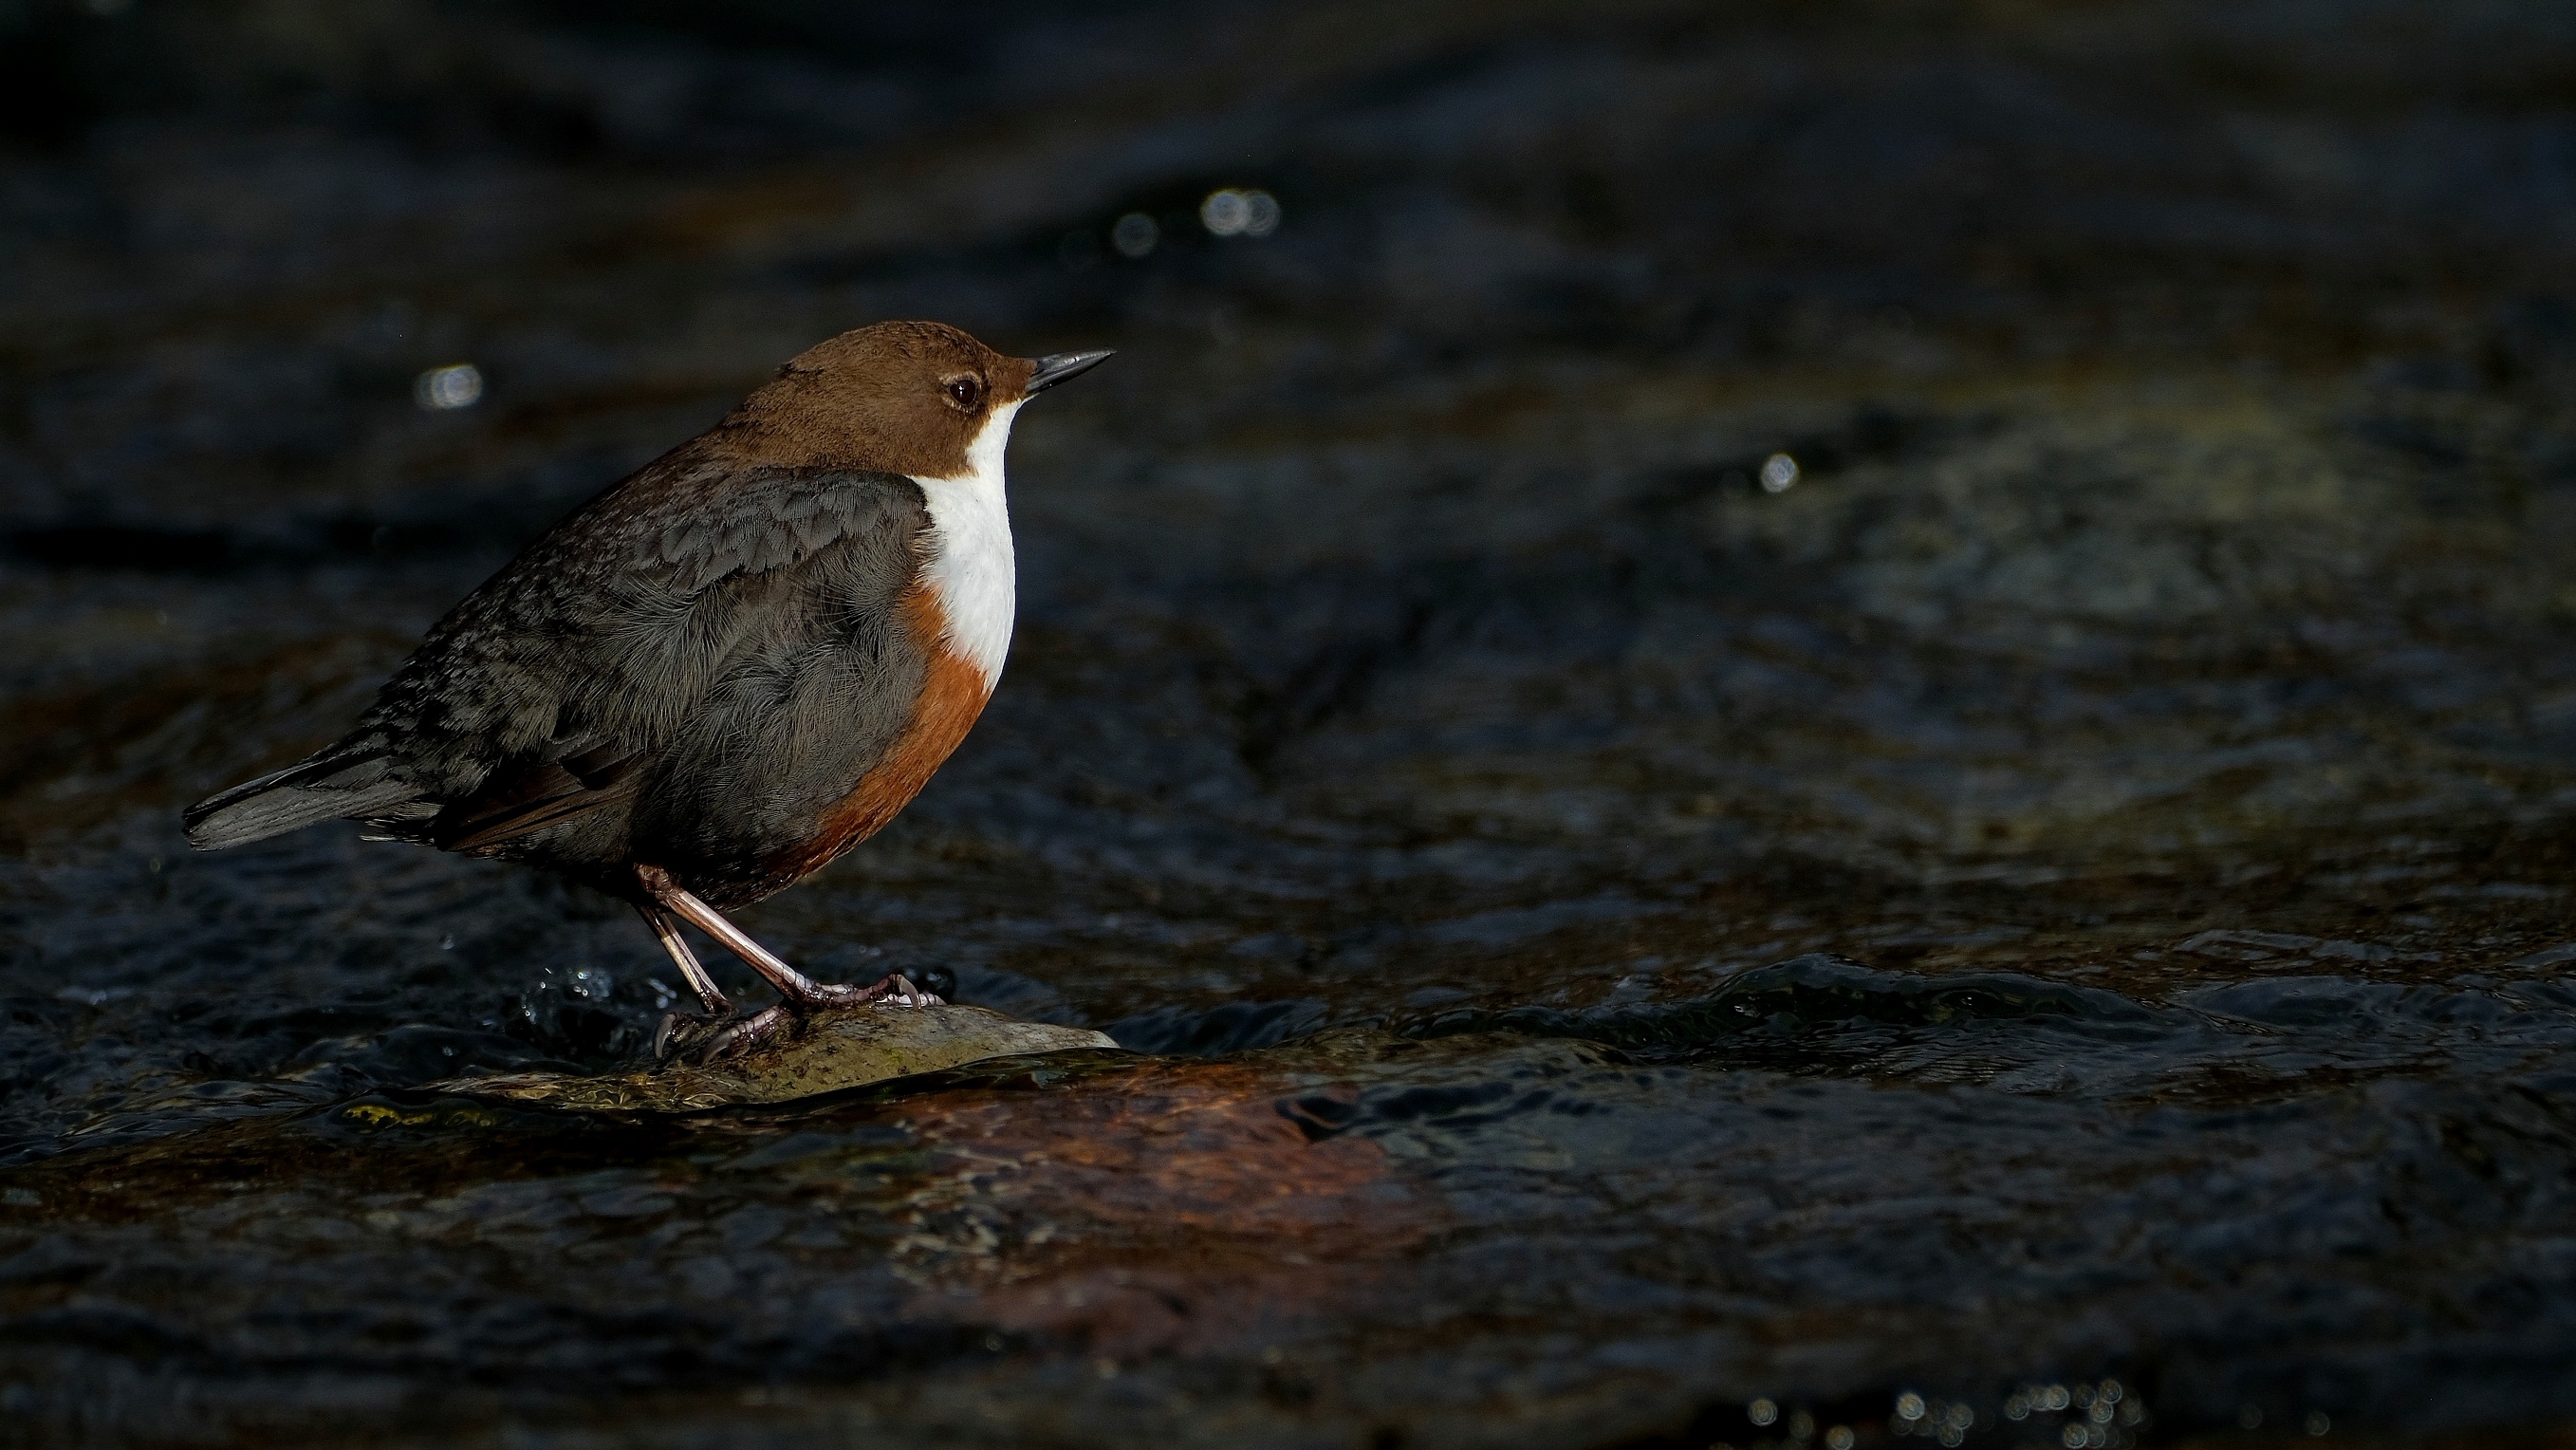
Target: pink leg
{"x": 668, "y": 931}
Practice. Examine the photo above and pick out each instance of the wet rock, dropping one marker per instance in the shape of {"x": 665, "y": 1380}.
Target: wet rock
{"x": 832, "y": 1051}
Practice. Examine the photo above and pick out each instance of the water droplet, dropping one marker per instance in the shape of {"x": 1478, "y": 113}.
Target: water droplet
{"x": 1762, "y": 1412}
{"x": 2249, "y": 1417}
{"x": 1779, "y": 471}
{"x": 2317, "y": 1423}
{"x": 1909, "y": 1406}
{"x": 1839, "y": 1438}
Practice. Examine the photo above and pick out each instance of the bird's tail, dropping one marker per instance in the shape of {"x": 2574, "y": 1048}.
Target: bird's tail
{"x": 352, "y": 778}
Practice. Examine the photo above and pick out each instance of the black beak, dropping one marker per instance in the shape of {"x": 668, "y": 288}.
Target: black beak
{"x": 1063, "y": 366}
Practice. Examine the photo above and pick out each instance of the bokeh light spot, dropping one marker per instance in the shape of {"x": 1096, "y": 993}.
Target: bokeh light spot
{"x": 1224, "y": 213}
{"x": 1135, "y": 235}
{"x": 442, "y": 390}
{"x": 1239, "y": 212}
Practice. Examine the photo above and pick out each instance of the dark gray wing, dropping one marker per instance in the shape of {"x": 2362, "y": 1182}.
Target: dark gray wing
{"x": 551, "y": 692}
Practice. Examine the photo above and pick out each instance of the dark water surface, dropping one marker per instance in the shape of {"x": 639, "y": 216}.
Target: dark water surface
{"x": 2070, "y": 895}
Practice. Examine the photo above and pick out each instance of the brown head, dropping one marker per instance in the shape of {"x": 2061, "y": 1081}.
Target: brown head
{"x": 904, "y": 397}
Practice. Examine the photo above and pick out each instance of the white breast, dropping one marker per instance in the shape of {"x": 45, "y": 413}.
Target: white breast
{"x": 971, "y": 566}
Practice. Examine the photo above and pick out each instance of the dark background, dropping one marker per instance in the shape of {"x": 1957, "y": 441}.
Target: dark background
{"x": 2075, "y": 887}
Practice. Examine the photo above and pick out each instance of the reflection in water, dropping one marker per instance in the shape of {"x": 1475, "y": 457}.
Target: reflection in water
{"x": 1789, "y": 735}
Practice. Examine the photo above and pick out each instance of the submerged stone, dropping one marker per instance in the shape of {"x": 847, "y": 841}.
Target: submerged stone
{"x": 828, "y": 1052}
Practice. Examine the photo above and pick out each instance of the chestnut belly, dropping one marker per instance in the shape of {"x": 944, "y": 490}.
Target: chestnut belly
{"x": 953, "y": 693}
{"x": 951, "y": 698}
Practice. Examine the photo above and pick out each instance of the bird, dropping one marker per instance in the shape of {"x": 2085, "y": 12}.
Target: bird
{"x": 721, "y": 672}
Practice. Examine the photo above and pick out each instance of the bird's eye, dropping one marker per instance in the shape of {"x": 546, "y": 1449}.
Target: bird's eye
{"x": 966, "y": 391}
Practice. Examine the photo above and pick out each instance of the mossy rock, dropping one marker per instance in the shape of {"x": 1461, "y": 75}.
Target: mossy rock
{"x": 828, "y": 1052}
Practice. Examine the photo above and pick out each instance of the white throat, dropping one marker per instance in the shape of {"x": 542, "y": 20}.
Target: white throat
{"x": 971, "y": 565}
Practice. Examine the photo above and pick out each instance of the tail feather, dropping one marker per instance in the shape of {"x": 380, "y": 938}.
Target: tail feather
{"x": 330, "y": 786}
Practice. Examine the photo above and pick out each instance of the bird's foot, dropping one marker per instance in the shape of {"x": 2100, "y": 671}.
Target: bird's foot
{"x": 687, "y": 1037}
{"x": 682, "y": 1031}
{"x": 896, "y": 990}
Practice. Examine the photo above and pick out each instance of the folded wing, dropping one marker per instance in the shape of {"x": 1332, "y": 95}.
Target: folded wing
{"x": 549, "y": 696}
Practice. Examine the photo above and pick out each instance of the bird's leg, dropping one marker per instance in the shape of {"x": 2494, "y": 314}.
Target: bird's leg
{"x": 668, "y": 931}
{"x": 799, "y": 991}
{"x": 680, "y": 1033}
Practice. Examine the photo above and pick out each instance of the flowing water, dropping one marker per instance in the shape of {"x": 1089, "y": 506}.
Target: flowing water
{"x": 1794, "y": 727}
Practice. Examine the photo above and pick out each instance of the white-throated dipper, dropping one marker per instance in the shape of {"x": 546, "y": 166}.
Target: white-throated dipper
{"x": 721, "y": 673}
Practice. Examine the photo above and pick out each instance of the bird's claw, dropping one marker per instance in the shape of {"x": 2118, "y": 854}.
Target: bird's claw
{"x": 894, "y": 990}
{"x": 688, "y": 1038}
{"x": 898, "y": 990}
{"x": 679, "y": 1032}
